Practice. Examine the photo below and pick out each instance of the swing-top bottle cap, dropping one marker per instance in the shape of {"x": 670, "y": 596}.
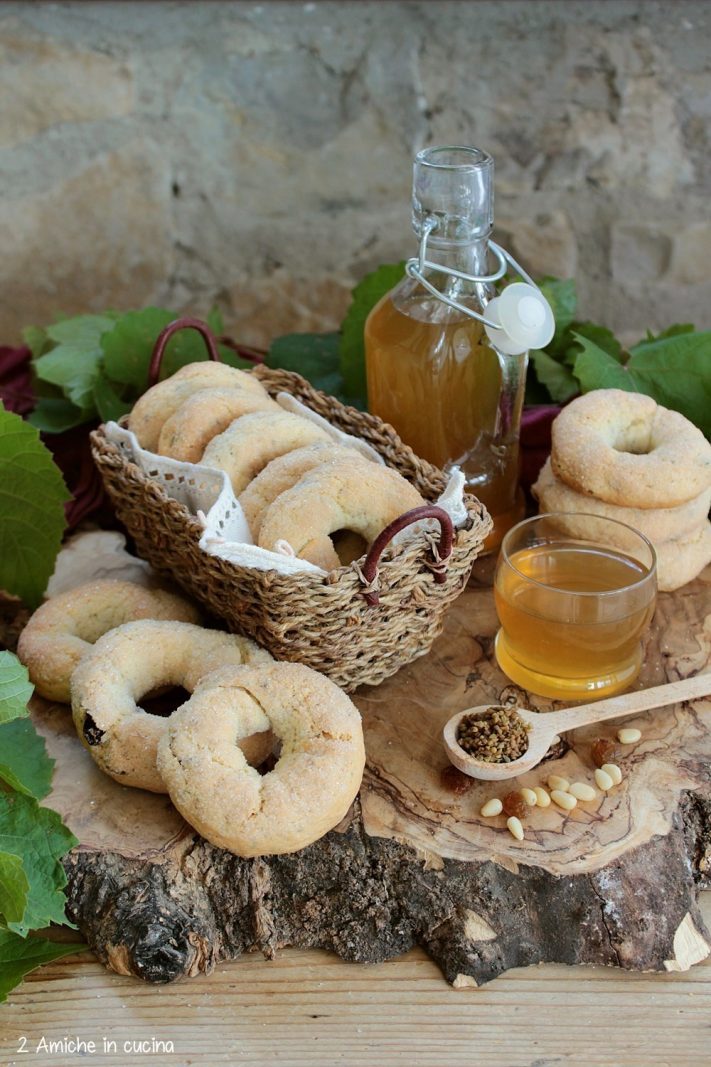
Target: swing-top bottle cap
{"x": 525, "y": 316}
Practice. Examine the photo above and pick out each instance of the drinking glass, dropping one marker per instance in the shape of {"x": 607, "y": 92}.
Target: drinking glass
{"x": 574, "y": 594}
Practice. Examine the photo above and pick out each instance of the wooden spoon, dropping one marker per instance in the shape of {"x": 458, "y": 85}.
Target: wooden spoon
{"x": 545, "y": 726}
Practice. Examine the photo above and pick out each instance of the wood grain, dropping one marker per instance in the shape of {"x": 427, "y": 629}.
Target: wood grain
{"x": 307, "y": 1009}
{"x": 403, "y": 796}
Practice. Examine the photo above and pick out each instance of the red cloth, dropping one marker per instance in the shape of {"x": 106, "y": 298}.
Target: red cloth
{"x": 16, "y": 380}
{"x": 535, "y": 440}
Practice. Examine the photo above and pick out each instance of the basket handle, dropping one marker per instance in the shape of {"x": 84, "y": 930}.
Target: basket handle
{"x": 369, "y": 571}
{"x": 185, "y": 323}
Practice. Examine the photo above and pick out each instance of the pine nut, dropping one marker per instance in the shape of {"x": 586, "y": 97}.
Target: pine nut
{"x": 603, "y": 780}
{"x": 582, "y": 791}
{"x": 614, "y": 771}
{"x": 629, "y": 736}
{"x": 529, "y": 796}
{"x": 515, "y": 827}
{"x": 542, "y": 798}
{"x": 555, "y": 782}
{"x": 563, "y": 799}
{"x": 491, "y": 808}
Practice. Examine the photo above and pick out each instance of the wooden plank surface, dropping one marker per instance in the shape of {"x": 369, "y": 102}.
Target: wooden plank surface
{"x": 307, "y": 1009}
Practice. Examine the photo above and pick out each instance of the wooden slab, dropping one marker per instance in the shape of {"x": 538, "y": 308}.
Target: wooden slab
{"x": 613, "y": 882}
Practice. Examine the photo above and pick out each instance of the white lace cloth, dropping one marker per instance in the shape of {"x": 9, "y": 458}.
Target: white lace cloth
{"x": 207, "y": 493}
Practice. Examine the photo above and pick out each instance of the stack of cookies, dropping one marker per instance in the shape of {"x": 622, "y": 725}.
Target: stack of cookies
{"x": 620, "y": 455}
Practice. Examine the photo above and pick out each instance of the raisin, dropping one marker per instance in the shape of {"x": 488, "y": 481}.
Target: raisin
{"x": 92, "y": 733}
{"x": 603, "y": 751}
{"x": 455, "y": 780}
{"x": 514, "y": 804}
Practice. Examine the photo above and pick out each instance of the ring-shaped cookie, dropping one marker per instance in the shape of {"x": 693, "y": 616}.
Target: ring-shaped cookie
{"x": 658, "y": 524}
{"x": 316, "y": 777}
{"x": 245, "y": 448}
{"x": 284, "y": 472}
{"x": 64, "y": 628}
{"x": 132, "y": 661}
{"x": 343, "y": 495}
{"x": 625, "y": 449}
{"x": 682, "y": 559}
{"x": 189, "y": 430}
{"x": 157, "y": 404}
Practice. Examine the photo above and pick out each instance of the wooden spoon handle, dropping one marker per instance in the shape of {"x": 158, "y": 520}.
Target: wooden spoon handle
{"x": 629, "y": 703}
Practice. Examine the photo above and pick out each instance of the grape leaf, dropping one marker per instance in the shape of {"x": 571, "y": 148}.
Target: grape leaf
{"x": 128, "y": 348}
{"x": 315, "y": 356}
{"x": 38, "y": 836}
{"x": 596, "y": 369}
{"x": 19, "y": 956}
{"x": 32, "y": 495}
{"x": 74, "y": 364}
{"x": 54, "y": 414}
{"x": 14, "y": 888}
{"x": 24, "y": 763}
{"x": 671, "y": 331}
{"x": 214, "y": 321}
{"x": 600, "y": 335}
{"x": 366, "y": 295}
{"x": 108, "y": 403}
{"x": 556, "y": 377}
{"x": 15, "y": 688}
{"x": 676, "y": 371}
{"x": 563, "y": 299}
{"x": 36, "y": 340}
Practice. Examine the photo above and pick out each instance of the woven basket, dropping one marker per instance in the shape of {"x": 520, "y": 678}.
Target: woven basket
{"x": 359, "y": 623}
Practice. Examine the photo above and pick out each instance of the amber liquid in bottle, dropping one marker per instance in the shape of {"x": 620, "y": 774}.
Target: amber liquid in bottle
{"x": 432, "y": 372}
{"x": 433, "y": 375}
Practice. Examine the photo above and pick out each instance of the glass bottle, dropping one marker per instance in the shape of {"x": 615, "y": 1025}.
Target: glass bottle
{"x": 432, "y": 372}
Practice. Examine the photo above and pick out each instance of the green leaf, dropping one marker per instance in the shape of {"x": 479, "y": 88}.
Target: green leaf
{"x": 676, "y": 371}
{"x": 15, "y": 688}
{"x": 600, "y": 335}
{"x": 14, "y": 888}
{"x": 557, "y": 378}
{"x": 36, "y": 340}
{"x": 55, "y": 415}
{"x": 595, "y": 369}
{"x": 19, "y": 956}
{"x": 74, "y": 364}
{"x": 366, "y": 295}
{"x": 32, "y": 495}
{"x": 563, "y": 299}
{"x": 315, "y": 356}
{"x": 38, "y": 836}
{"x": 214, "y": 321}
{"x": 128, "y": 348}
{"x": 24, "y": 763}
{"x": 109, "y": 404}
{"x": 671, "y": 331}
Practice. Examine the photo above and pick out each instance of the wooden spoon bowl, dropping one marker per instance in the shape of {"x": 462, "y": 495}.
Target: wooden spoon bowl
{"x": 544, "y": 727}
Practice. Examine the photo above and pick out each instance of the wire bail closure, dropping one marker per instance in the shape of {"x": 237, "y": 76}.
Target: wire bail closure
{"x": 524, "y": 320}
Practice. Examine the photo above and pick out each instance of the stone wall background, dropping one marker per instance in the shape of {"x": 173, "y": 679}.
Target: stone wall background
{"x": 259, "y": 155}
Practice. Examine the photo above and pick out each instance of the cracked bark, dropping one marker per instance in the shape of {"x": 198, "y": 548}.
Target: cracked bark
{"x": 614, "y": 882}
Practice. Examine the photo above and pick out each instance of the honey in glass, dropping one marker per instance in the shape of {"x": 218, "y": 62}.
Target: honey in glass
{"x": 432, "y": 372}
{"x": 572, "y": 610}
